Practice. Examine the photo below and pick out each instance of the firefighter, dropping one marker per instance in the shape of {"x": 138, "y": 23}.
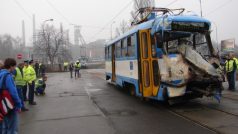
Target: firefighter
{"x": 231, "y": 66}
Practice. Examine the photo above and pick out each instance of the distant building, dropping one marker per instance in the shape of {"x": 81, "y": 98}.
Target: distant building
{"x": 228, "y": 45}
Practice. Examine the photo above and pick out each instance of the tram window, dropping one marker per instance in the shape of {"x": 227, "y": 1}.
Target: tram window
{"x": 110, "y": 52}
{"x": 131, "y": 42}
{"x": 118, "y": 49}
{"x": 153, "y": 47}
{"x": 146, "y": 73}
{"x": 106, "y": 52}
{"x": 124, "y": 47}
{"x": 155, "y": 72}
{"x": 145, "y": 45}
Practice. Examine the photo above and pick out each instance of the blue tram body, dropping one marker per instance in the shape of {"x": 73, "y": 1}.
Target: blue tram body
{"x": 165, "y": 58}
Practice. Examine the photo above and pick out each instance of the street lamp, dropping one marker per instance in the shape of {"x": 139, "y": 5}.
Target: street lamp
{"x": 46, "y": 21}
{"x": 111, "y": 28}
{"x": 44, "y": 24}
{"x": 43, "y": 28}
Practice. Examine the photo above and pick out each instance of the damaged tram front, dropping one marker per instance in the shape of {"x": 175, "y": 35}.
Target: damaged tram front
{"x": 173, "y": 59}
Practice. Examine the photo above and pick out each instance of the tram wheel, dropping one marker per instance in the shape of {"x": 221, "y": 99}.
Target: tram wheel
{"x": 132, "y": 90}
{"x": 165, "y": 96}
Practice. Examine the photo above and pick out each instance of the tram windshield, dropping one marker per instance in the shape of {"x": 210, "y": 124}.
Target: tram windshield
{"x": 171, "y": 42}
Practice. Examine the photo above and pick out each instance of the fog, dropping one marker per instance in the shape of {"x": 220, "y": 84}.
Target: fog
{"x": 95, "y": 16}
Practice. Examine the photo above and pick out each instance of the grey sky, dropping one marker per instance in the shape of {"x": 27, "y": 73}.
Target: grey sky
{"x": 94, "y": 14}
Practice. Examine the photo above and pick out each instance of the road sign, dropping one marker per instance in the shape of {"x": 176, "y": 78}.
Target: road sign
{"x": 19, "y": 56}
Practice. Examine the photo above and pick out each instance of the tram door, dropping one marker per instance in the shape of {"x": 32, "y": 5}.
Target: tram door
{"x": 149, "y": 66}
{"x": 113, "y": 63}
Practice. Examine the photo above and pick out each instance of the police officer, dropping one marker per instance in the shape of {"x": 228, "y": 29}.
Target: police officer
{"x": 31, "y": 74}
{"x": 20, "y": 83}
{"x": 77, "y": 68}
{"x": 24, "y": 89}
{"x": 231, "y": 66}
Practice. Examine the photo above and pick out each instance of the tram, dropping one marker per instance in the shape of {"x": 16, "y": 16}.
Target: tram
{"x": 166, "y": 56}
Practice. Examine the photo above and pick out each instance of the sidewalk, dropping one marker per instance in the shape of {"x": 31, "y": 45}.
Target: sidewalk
{"x": 65, "y": 109}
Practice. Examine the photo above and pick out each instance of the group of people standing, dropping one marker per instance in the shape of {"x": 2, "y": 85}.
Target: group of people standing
{"x": 73, "y": 67}
{"x": 18, "y": 80}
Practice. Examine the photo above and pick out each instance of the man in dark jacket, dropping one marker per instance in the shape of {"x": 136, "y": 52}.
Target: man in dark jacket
{"x": 71, "y": 69}
{"x": 37, "y": 68}
{"x": 1, "y": 64}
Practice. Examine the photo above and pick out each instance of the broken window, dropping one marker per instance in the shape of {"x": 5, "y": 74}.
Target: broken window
{"x": 172, "y": 40}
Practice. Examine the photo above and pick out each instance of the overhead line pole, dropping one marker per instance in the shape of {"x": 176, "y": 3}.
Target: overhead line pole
{"x": 201, "y": 7}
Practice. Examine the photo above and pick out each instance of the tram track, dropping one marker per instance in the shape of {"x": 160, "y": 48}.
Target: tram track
{"x": 206, "y": 114}
{"x": 230, "y": 98}
{"x": 193, "y": 121}
{"x": 217, "y": 109}
{"x": 190, "y": 114}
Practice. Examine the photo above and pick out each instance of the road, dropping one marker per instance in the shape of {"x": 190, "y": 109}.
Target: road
{"x": 89, "y": 105}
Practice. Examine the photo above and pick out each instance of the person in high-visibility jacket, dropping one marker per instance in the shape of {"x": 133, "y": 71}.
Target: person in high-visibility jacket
{"x": 230, "y": 68}
{"x": 31, "y": 77}
{"x": 66, "y": 64}
{"x": 20, "y": 83}
{"x": 24, "y": 89}
{"x": 77, "y": 67}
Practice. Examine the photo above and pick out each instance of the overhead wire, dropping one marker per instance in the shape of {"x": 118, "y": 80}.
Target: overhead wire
{"x": 219, "y": 7}
{"x": 23, "y": 9}
{"x": 121, "y": 11}
{"x": 171, "y": 3}
{"x": 56, "y": 10}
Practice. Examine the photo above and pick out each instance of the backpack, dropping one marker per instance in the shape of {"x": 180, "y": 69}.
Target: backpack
{"x": 6, "y": 101}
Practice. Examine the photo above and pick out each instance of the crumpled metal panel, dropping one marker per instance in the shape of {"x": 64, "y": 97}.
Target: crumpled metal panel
{"x": 197, "y": 60}
{"x": 173, "y": 68}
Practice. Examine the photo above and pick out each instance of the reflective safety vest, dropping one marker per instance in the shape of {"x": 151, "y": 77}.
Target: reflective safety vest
{"x": 30, "y": 74}
{"x": 77, "y": 65}
{"x": 39, "y": 83}
{"x": 231, "y": 65}
{"x": 66, "y": 64}
{"x": 19, "y": 78}
{"x": 24, "y": 70}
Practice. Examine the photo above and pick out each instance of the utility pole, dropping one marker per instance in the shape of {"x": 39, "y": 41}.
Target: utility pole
{"x": 201, "y": 7}
{"x": 34, "y": 30}
{"x": 76, "y": 34}
{"x": 23, "y": 35}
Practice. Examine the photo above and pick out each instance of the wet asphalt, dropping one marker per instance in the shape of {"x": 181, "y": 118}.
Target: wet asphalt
{"x": 89, "y": 105}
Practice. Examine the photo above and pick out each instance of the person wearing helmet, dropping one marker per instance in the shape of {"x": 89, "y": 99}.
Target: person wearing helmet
{"x": 77, "y": 67}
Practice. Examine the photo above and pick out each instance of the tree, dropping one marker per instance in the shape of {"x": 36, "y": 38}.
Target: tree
{"x": 124, "y": 27}
{"x": 51, "y": 42}
{"x": 10, "y": 46}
